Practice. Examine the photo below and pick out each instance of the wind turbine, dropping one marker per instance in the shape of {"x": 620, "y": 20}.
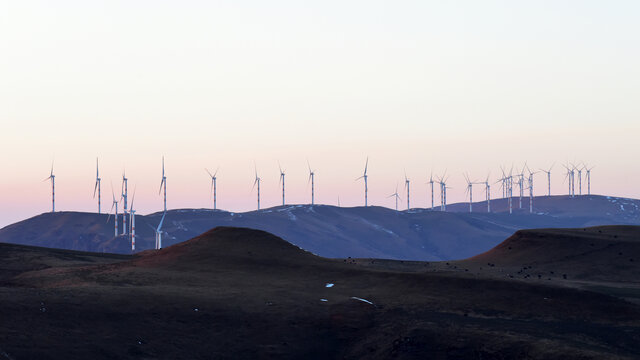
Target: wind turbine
{"x": 521, "y": 184}
{"x": 53, "y": 189}
{"x": 124, "y": 191}
{"x": 406, "y": 185}
{"x": 364, "y": 176}
{"x": 133, "y": 222}
{"x": 510, "y": 183}
{"x": 443, "y": 192}
{"x": 163, "y": 184}
{"x": 97, "y": 187}
{"x": 257, "y": 182}
{"x": 159, "y": 232}
{"x": 531, "y": 189}
{"x": 569, "y": 176}
{"x": 395, "y": 194}
{"x": 588, "y": 170}
{"x": 548, "y": 172}
{"x": 469, "y": 191}
{"x": 312, "y": 180}
{"x": 579, "y": 179}
{"x": 213, "y": 187}
{"x": 281, "y": 180}
{"x": 114, "y": 204}
{"x": 488, "y": 193}
{"x": 431, "y": 183}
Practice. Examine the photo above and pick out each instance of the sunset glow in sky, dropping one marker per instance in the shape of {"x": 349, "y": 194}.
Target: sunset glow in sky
{"x": 417, "y": 86}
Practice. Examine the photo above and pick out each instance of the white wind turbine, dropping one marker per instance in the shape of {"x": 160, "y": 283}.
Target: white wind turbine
{"x": 53, "y": 189}
{"x": 257, "y": 182}
{"x": 97, "y": 187}
{"x": 469, "y": 191}
{"x": 588, "y": 174}
{"x": 312, "y": 180}
{"x": 531, "y": 189}
{"x": 548, "y": 172}
{"x": 281, "y": 181}
{"x": 114, "y": 205}
{"x": 431, "y": 183}
{"x": 397, "y": 197}
{"x": 124, "y": 194}
{"x": 579, "y": 179}
{"x": 163, "y": 184}
{"x": 133, "y": 222}
{"x": 406, "y": 185}
{"x": 214, "y": 187}
{"x": 159, "y": 232}
{"x": 364, "y": 176}
{"x": 521, "y": 184}
{"x": 443, "y": 192}
{"x": 487, "y": 188}
{"x": 569, "y": 176}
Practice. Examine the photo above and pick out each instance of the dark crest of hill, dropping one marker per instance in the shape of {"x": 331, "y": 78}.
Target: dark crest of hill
{"x": 598, "y": 253}
{"x": 228, "y": 244}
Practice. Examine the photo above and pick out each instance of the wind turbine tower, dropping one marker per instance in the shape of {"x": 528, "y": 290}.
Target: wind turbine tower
{"x": 312, "y": 180}
{"x": 124, "y": 194}
{"x": 548, "y": 172}
{"x": 133, "y": 223}
{"x": 431, "y": 183}
{"x": 588, "y": 170}
{"x": 53, "y": 189}
{"x": 488, "y": 193}
{"x": 406, "y": 185}
{"x": 97, "y": 187}
{"x": 163, "y": 185}
{"x": 364, "y": 176}
{"x": 159, "y": 232}
{"x": 580, "y": 180}
{"x": 395, "y": 194}
{"x": 469, "y": 191}
{"x": 521, "y": 184}
{"x": 257, "y": 182}
{"x": 281, "y": 180}
{"x": 214, "y": 188}
{"x": 530, "y": 189}
{"x": 115, "y": 219}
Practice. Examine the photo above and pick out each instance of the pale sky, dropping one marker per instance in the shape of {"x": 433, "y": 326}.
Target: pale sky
{"x": 424, "y": 86}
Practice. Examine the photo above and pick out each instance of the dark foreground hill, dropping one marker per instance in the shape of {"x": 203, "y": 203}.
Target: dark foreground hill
{"x": 240, "y": 293}
{"x": 372, "y": 232}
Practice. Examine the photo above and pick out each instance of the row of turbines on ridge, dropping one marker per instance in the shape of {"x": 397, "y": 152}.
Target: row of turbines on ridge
{"x": 523, "y": 180}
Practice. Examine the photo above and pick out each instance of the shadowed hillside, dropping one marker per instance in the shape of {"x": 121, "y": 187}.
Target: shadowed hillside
{"x": 241, "y": 293}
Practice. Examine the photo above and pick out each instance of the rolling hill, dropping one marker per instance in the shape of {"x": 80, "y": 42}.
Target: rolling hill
{"x": 246, "y": 294}
{"x": 372, "y": 232}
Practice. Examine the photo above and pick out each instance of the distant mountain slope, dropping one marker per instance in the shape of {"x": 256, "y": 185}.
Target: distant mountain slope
{"x": 372, "y": 232}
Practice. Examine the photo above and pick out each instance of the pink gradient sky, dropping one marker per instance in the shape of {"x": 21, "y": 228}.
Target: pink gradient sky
{"x": 419, "y": 86}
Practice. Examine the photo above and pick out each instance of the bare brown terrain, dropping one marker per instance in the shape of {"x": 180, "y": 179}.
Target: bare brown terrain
{"x": 241, "y": 293}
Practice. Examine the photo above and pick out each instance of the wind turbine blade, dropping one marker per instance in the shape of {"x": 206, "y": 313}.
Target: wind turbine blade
{"x": 366, "y": 165}
{"x": 133, "y": 197}
{"x": 216, "y": 172}
{"x": 95, "y": 189}
{"x": 207, "y": 170}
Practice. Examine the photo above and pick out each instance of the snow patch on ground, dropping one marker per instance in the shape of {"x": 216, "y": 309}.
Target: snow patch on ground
{"x": 361, "y": 299}
{"x": 329, "y": 285}
{"x": 323, "y": 300}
